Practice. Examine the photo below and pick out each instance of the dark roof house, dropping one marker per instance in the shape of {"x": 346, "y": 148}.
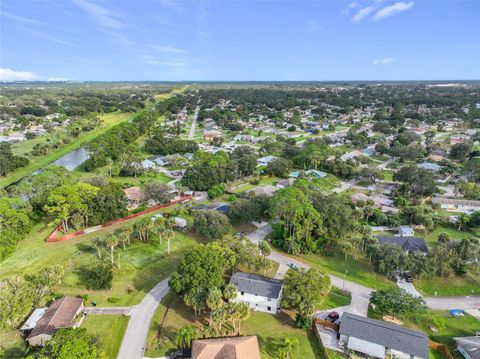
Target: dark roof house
{"x": 378, "y": 338}
{"x": 257, "y": 285}
{"x": 60, "y": 314}
{"x": 407, "y": 243}
{"x": 469, "y": 347}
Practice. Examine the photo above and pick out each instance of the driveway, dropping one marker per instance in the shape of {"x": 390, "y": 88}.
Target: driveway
{"x": 408, "y": 287}
{"x": 109, "y": 310}
{"x": 133, "y": 342}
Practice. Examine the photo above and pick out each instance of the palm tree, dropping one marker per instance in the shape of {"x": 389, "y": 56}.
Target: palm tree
{"x": 143, "y": 227}
{"x": 214, "y": 301}
{"x": 111, "y": 242}
{"x": 243, "y": 313}
{"x": 185, "y": 335}
{"x": 97, "y": 244}
{"x": 288, "y": 346}
{"x": 169, "y": 223}
{"x": 195, "y": 298}
{"x": 230, "y": 292}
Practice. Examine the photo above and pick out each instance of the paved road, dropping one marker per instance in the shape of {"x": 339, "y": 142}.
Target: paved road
{"x": 361, "y": 293}
{"x": 109, "y": 310}
{"x": 133, "y": 342}
{"x": 191, "y": 134}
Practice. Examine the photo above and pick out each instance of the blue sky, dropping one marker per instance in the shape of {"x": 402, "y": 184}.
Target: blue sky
{"x": 170, "y": 40}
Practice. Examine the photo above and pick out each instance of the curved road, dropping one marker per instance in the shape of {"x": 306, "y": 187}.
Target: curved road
{"x": 135, "y": 337}
{"x": 136, "y": 334}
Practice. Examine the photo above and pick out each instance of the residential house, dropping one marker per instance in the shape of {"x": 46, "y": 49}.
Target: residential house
{"x": 62, "y": 313}
{"x": 379, "y": 339}
{"x": 261, "y": 293}
{"x": 264, "y": 161}
{"x": 429, "y": 166}
{"x": 409, "y": 244}
{"x": 285, "y": 183}
{"x": 134, "y": 195}
{"x": 226, "y": 348}
{"x": 405, "y": 231}
{"x": 180, "y": 222}
{"x": 32, "y": 320}
{"x": 457, "y": 205}
{"x": 469, "y": 347}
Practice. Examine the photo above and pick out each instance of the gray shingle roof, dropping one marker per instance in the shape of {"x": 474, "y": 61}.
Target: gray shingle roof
{"x": 389, "y": 335}
{"x": 258, "y": 285}
{"x": 470, "y": 344}
{"x": 407, "y": 243}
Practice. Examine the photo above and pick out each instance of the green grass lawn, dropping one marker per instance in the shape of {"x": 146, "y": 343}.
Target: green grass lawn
{"x": 142, "y": 265}
{"x": 387, "y": 175}
{"x": 109, "y": 329}
{"x": 454, "y": 233}
{"x": 109, "y": 120}
{"x": 270, "y": 330}
{"x": 336, "y": 298}
{"x": 452, "y": 286}
{"x": 358, "y": 270}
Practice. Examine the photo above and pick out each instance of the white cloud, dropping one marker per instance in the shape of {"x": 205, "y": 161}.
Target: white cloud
{"x": 168, "y": 49}
{"x": 102, "y": 15}
{"x": 46, "y": 36}
{"x": 12, "y": 75}
{"x": 315, "y": 25}
{"x": 393, "y": 9}
{"x": 351, "y": 6}
{"x": 363, "y": 13}
{"x": 384, "y": 61}
{"x": 21, "y": 19}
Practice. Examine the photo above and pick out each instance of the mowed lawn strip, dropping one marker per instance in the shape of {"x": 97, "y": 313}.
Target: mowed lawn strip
{"x": 109, "y": 329}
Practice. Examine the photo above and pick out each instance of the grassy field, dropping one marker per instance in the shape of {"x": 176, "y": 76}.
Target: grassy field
{"x": 452, "y": 286}
{"x": 336, "y": 298}
{"x": 358, "y": 270}
{"x": 270, "y": 330}
{"x": 109, "y": 329}
{"x": 142, "y": 264}
{"x": 109, "y": 120}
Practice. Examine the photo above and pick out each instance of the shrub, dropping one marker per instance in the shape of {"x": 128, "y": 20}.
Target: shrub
{"x": 113, "y": 300}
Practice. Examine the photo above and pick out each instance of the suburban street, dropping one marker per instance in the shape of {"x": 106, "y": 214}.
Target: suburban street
{"x": 133, "y": 342}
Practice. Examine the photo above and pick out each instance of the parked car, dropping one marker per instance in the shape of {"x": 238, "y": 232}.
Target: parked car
{"x": 408, "y": 278}
{"x": 239, "y": 234}
{"x": 293, "y": 266}
{"x": 333, "y": 316}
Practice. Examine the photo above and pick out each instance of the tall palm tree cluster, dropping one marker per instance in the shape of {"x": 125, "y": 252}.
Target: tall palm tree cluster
{"x": 141, "y": 229}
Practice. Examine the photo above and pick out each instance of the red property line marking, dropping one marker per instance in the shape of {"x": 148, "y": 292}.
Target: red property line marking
{"x": 51, "y": 238}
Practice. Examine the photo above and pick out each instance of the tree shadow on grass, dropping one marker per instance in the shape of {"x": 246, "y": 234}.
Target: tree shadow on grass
{"x": 13, "y": 353}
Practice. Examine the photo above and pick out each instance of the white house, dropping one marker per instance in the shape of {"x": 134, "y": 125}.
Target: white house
{"x": 379, "y": 339}
{"x": 405, "y": 231}
{"x": 457, "y": 205}
{"x": 261, "y": 293}
{"x": 180, "y": 222}
{"x": 264, "y": 161}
